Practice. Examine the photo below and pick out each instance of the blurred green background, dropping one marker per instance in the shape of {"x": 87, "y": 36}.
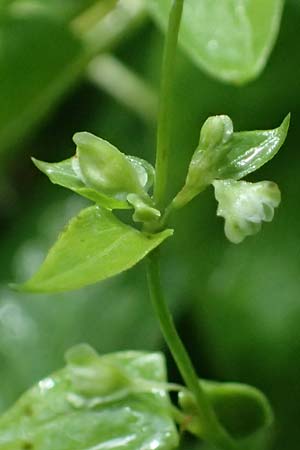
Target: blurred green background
{"x": 237, "y": 307}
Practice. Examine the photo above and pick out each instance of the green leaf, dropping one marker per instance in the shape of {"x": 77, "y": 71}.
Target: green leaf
{"x": 33, "y": 82}
{"x": 101, "y": 173}
{"x": 63, "y": 174}
{"x": 241, "y": 409}
{"x": 225, "y": 154}
{"x": 48, "y": 416}
{"x": 247, "y": 151}
{"x": 245, "y": 205}
{"x": 231, "y": 40}
{"x": 94, "y": 246}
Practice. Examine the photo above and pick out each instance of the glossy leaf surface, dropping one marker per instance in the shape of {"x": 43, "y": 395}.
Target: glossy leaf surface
{"x": 94, "y": 246}
{"x": 231, "y": 39}
{"x": 63, "y": 174}
{"x": 241, "y": 409}
{"x": 100, "y": 172}
{"x": 247, "y": 151}
{"x": 46, "y": 417}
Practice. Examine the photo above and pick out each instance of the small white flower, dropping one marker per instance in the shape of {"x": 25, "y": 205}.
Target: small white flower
{"x": 245, "y": 205}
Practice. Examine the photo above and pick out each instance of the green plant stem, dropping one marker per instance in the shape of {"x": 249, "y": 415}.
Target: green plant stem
{"x": 163, "y": 127}
{"x": 213, "y": 432}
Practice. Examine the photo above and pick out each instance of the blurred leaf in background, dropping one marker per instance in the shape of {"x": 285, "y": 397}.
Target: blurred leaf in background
{"x": 231, "y": 40}
{"x": 39, "y": 60}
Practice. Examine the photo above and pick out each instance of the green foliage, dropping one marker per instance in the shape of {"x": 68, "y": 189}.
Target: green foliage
{"x": 101, "y": 173}
{"x": 121, "y": 323}
{"x": 59, "y": 412}
{"x": 231, "y": 40}
{"x": 94, "y": 246}
{"x": 64, "y": 173}
{"x": 223, "y": 154}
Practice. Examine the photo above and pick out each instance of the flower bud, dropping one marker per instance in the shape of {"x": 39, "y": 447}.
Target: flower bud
{"x": 92, "y": 375}
{"x": 104, "y": 168}
{"x": 143, "y": 211}
{"x": 216, "y": 130}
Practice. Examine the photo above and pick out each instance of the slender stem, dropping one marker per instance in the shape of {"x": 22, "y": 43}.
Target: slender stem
{"x": 212, "y": 429}
{"x": 163, "y": 128}
{"x": 213, "y": 432}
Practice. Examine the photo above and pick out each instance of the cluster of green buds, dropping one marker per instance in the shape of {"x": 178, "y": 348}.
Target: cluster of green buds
{"x": 103, "y": 174}
{"x": 114, "y": 180}
{"x": 221, "y": 159}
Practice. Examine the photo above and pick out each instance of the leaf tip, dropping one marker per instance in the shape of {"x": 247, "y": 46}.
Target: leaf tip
{"x": 26, "y": 287}
{"x": 19, "y": 287}
{"x": 39, "y": 164}
{"x": 286, "y": 122}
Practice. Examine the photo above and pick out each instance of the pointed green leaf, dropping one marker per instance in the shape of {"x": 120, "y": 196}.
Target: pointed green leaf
{"x": 94, "y": 246}
{"x": 247, "y": 151}
{"x": 231, "y": 39}
{"x": 224, "y": 154}
{"x": 57, "y": 414}
{"x": 245, "y": 206}
{"x": 101, "y": 173}
{"x": 241, "y": 409}
{"x": 64, "y": 174}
